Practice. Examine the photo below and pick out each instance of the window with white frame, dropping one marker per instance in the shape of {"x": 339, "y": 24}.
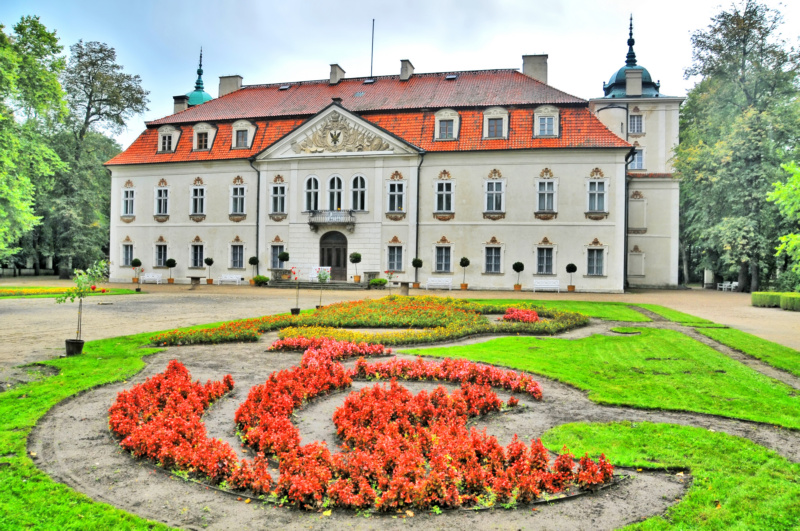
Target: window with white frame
{"x": 162, "y": 201}
{"x": 237, "y": 200}
{"x": 198, "y": 206}
{"x": 545, "y": 121}
{"x": 278, "y": 202}
{"x": 168, "y": 137}
{"x": 445, "y": 129}
{"x": 635, "y": 124}
{"x": 241, "y": 138}
{"x": 166, "y": 142}
{"x": 637, "y": 162}
{"x": 127, "y": 202}
{"x": 359, "y": 193}
{"x": 594, "y": 264}
{"x": 335, "y": 193}
{"x": 494, "y": 196}
{"x": 237, "y": 256}
{"x": 444, "y": 196}
{"x": 443, "y": 261}
{"x": 242, "y": 134}
{"x": 202, "y": 141}
{"x": 276, "y": 262}
{"x": 196, "y": 255}
{"x": 127, "y": 254}
{"x": 396, "y": 196}
{"x": 544, "y": 260}
{"x": 545, "y": 195}
{"x": 447, "y": 122}
{"x": 161, "y": 255}
{"x": 493, "y": 256}
{"x": 597, "y": 196}
{"x": 495, "y": 123}
{"x": 495, "y": 128}
{"x": 204, "y": 134}
{"x": 395, "y": 258}
{"x": 312, "y": 194}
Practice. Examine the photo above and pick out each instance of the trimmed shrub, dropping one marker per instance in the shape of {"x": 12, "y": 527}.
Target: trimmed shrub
{"x": 765, "y": 299}
{"x": 377, "y": 282}
{"x": 260, "y": 280}
{"x": 790, "y": 301}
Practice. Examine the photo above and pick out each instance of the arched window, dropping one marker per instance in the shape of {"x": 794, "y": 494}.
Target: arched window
{"x": 359, "y": 193}
{"x": 335, "y": 193}
{"x": 312, "y": 194}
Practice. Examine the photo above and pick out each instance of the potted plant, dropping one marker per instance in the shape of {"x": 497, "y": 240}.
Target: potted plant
{"x": 284, "y": 257}
{"x": 571, "y": 268}
{"x": 323, "y": 277}
{"x": 417, "y": 263}
{"x": 170, "y": 263}
{"x": 260, "y": 280}
{"x": 519, "y": 267}
{"x": 253, "y": 261}
{"x": 464, "y": 263}
{"x": 209, "y": 262}
{"x": 135, "y": 264}
{"x": 85, "y": 283}
{"x": 355, "y": 259}
{"x": 296, "y": 309}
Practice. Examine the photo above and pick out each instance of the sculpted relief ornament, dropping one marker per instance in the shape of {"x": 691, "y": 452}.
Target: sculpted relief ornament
{"x": 336, "y": 135}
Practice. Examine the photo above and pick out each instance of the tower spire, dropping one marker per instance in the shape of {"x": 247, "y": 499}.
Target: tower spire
{"x": 198, "y": 85}
{"x": 630, "y": 59}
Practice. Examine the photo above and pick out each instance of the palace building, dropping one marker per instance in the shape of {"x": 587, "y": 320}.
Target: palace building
{"x": 496, "y": 166}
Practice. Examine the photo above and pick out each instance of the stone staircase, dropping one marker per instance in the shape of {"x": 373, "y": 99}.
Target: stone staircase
{"x": 306, "y": 285}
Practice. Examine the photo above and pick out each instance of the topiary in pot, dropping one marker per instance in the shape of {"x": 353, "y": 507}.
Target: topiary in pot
{"x": 571, "y": 268}
{"x": 519, "y": 267}
{"x": 253, "y": 261}
{"x": 209, "y": 262}
{"x": 170, "y": 263}
{"x": 416, "y": 263}
{"x": 464, "y": 263}
{"x": 355, "y": 259}
{"x": 135, "y": 265}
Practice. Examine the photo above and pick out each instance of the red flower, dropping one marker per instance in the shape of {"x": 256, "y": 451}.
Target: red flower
{"x": 94, "y": 287}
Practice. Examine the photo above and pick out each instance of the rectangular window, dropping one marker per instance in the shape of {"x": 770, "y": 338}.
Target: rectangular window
{"x": 444, "y": 197}
{"x": 597, "y": 196}
{"x": 162, "y": 201}
{"x": 279, "y": 199}
{"x": 127, "y": 202}
{"x": 197, "y": 256}
{"x": 494, "y": 196}
{"x": 445, "y": 129}
{"x": 237, "y": 200}
{"x": 544, "y": 261}
{"x": 493, "y": 259}
{"x": 161, "y": 255}
{"x": 443, "y": 259}
{"x": 635, "y": 123}
{"x": 395, "y": 258}
{"x": 546, "y": 126}
{"x": 595, "y": 264}
{"x": 241, "y": 138}
{"x": 166, "y": 142}
{"x": 546, "y": 196}
{"x": 198, "y": 201}
{"x": 637, "y": 163}
{"x": 396, "y": 194}
{"x": 495, "y": 128}
{"x": 127, "y": 254}
{"x": 237, "y": 256}
{"x": 202, "y": 140}
{"x": 274, "y": 261}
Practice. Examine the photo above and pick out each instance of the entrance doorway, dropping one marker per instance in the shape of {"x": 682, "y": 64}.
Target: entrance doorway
{"x": 333, "y": 254}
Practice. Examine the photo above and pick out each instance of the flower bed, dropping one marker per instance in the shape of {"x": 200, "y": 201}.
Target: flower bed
{"x": 521, "y": 315}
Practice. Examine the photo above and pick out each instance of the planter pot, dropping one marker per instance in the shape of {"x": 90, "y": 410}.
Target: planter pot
{"x": 415, "y": 285}
{"x": 209, "y": 281}
{"x": 252, "y": 282}
{"x": 170, "y": 281}
{"x": 74, "y": 346}
{"x": 570, "y": 288}
{"x": 135, "y": 280}
{"x": 517, "y": 287}
{"x": 319, "y": 306}
{"x": 295, "y": 311}
{"x": 464, "y": 286}
{"x": 286, "y": 277}
{"x": 138, "y": 290}
{"x": 357, "y": 279}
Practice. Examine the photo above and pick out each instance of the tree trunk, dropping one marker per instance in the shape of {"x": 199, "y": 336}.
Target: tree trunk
{"x": 742, "y": 276}
{"x": 685, "y": 263}
{"x": 754, "y": 280}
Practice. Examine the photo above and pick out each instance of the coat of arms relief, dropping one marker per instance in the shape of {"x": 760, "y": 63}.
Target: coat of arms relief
{"x": 336, "y": 135}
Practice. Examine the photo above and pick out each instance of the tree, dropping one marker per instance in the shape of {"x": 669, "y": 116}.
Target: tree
{"x": 787, "y": 197}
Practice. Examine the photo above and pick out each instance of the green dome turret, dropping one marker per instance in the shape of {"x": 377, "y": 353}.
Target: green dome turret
{"x": 615, "y": 88}
{"x": 198, "y": 96}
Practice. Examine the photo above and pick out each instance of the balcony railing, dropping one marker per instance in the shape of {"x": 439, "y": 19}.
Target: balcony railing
{"x": 332, "y": 217}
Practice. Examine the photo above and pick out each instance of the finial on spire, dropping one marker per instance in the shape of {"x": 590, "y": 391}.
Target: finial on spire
{"x": 630, "y": 59}
{"x": 198, "y": 85}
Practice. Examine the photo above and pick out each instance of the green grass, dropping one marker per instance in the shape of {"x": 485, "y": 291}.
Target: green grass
{"x": 608, "y": 311}
{"x": 654, "y": 369}
{"x": 112, "y": 291}
{"x": 737, "y": 483}
{"x": 673, "y": 315}
{"x": 776, "y": 355}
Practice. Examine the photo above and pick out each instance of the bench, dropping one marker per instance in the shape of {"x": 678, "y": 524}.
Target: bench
{"x": 724, "y": 286}
{"x": 150, "y": 277}
{"x": 546, "y": 283}
{"x": 229, "y": 278}
{"x": 439, "y": 283}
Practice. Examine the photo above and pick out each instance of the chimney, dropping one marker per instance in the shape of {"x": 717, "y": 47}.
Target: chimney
{"x": 633, "y": 82}
{"x": 535, "y": 66}
{"x": 337, "y": 74}
{"x": 228, "y": 84}
{"x": 181, "y": 103}
{"x": 406, "y": 70}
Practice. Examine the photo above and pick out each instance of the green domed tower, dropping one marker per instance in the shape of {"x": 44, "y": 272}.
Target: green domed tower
{"x": 616, "y": 86}
{"x": 198, "y": 96}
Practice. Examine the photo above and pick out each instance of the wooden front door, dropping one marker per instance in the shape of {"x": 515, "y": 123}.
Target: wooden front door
{"x": 333, "y": 254}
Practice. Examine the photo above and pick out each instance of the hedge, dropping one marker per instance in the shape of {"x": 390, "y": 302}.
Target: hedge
{"x": 766, "y": 299}
{"x": 790, "y": 301}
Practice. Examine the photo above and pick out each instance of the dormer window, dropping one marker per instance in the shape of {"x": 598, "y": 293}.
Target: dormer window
{"x": 447, "y": 125}
{"x": 495, "y": 123}
{"x": 545, "y": 121}
{"x": 204, "y": 135}
{"x": 241, "y": 138}
{"x": 202, "y": 141}
{"x": 166, "y": 142}
{"x": 242, "y": 135}
{"x": 168, "y": 139}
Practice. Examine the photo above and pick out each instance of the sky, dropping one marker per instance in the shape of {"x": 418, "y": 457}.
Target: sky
{"x": 268, "y": 41}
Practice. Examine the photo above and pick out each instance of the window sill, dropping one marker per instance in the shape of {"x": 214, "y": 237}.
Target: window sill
{"x": 160, "y": 267}
{"x": 490, "y": 273}
{"x": 161, "y": 218}
{"x": 240, "y": 147}
{"x": 542, "y": 275}
{"x": 197, "y": 218}
{"x": 596, "y": 215}
{"x": 494, "y": 215}
{"x": 444, "y": 216}
{"x": 165, "y": 152}
{"x": 396, "y": 216}
{"x": 277, "y": 217}
{"x": 494, "y": 138}
{"x": 201, "y": 150}
{"x": 445, "y": 139}
{"x": 595, "y": 276}
{"x": 236, "y": 218}
{"x": 545, "y": 215}
{"x": 442, "y": 272}
{"x": 545, "y": 136}
{"x": 127, "y": 219}
{"x": 236, "y": 268}
{"x": 197, "y": 268}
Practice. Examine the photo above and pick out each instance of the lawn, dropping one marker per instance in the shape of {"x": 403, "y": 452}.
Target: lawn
{"x": 12, "y": 292}
{"x": 608, "y": 311}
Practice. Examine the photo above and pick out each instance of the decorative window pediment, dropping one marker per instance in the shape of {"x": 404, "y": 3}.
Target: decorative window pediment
{"x": 168, "y": 137}
{"x": 447, "y": 125}
{"x": 242, "y": 134}
{"x": 495, "y": 123}
{"x": 203, "y": 138}
{"x": 546, "y": 122}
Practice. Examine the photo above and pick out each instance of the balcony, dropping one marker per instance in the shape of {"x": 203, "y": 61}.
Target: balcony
{"x": 331, "y": 217}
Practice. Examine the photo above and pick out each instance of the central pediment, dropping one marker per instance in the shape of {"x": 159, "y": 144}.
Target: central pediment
{"x": 336, "y": 131}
